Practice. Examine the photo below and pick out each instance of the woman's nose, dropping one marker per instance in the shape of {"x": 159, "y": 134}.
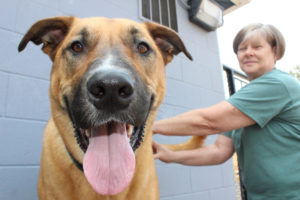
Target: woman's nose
{"x": 249, "y": 51}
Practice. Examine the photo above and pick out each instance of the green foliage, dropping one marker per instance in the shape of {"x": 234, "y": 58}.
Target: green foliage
{"x": 295, "y": 72}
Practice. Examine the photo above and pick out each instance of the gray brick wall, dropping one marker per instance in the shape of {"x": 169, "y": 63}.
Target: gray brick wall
{"x": 24, "y": 104}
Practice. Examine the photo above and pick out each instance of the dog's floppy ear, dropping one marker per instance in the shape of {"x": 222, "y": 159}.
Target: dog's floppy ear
{"x": 49, "y": 31}
{"x": 167, "y": 40}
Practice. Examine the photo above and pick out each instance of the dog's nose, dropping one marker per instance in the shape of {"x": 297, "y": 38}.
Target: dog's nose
{"x": 110, "y": 90}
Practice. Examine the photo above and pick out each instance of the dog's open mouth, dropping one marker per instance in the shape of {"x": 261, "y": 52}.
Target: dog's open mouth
{"x": 135, "y": 134}
{"x": 109, "y": 159}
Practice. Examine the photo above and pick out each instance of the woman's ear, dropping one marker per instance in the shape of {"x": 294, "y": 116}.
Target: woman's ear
{"x": 274, "y": 49}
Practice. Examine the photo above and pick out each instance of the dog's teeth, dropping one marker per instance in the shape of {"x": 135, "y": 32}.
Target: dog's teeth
{"x": 88, "y": 132}
{"x": 129, "y": 131}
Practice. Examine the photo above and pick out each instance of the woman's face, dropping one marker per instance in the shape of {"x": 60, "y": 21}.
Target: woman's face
{"x": 256, "y": 56}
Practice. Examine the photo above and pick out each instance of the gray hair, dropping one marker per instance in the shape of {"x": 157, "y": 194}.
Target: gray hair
{"x": 272, "y": 35}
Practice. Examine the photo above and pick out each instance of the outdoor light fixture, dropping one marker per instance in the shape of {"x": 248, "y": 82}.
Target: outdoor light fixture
{"x": 206, "y": 13}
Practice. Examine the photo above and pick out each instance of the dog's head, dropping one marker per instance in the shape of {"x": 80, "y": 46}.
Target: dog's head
{"x": 108, "y": 76}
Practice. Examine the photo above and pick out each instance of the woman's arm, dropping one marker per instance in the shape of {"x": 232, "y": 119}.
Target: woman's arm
{"x": 219, "y": 118}
{"x": 214, "y": 154}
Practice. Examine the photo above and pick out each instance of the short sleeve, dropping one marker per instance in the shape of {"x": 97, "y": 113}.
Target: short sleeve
{"x": 228, "y": 134}
{"x": 261, "y": 100}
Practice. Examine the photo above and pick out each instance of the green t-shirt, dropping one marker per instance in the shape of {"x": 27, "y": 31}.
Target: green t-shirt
{"x": 269, "y": 151}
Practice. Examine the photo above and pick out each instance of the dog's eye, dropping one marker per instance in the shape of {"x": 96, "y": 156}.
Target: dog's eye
{"x": 77, "y": 47}
{"x": 143, "y": 48}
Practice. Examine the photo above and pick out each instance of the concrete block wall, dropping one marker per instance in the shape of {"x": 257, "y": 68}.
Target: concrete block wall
{"x": 24, "y": 104}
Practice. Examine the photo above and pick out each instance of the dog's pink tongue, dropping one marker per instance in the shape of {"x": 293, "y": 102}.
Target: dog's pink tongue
{"x": 109, "y": 161}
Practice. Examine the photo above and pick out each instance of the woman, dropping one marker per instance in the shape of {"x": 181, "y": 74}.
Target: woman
{"x": 261, "y": 121}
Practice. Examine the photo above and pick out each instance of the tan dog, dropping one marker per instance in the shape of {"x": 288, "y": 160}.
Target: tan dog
{"x": 107, "y": 82}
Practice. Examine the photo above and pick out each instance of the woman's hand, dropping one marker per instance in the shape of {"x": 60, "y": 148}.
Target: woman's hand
{"x": 162, "y": 153}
